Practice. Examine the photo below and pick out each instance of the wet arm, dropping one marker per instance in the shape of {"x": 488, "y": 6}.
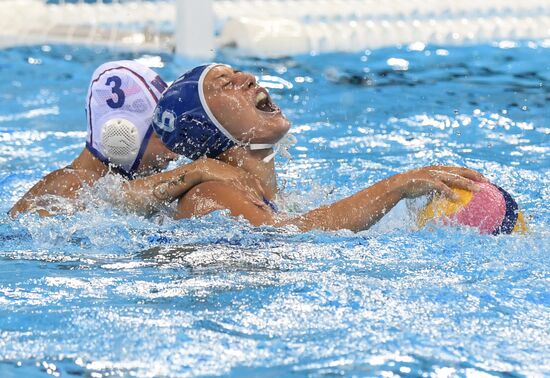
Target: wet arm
{"x": 145, "y": 195}
{"x": 212, "y": 196}
{"x": 63, "y": 183}
{"x": 357, "y": 212}
{"x": 363, "y": 209}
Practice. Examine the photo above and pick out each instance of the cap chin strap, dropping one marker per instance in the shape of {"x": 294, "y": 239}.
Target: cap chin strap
{"x": 281, "y": 147}
{"x": 260, "y": 146}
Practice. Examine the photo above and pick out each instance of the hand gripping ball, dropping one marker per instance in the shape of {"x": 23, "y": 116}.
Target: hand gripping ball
{"x": 491, "y": 210}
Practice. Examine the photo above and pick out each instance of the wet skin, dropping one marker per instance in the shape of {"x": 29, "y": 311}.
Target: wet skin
{"x": 243, "y": 107}
{"x": 156, "y": 157}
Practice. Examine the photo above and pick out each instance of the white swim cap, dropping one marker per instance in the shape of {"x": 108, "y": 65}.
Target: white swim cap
{"x": 120, "y": 103}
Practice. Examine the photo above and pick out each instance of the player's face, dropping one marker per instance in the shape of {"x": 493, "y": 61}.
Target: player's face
{"x": 243, "y": 107}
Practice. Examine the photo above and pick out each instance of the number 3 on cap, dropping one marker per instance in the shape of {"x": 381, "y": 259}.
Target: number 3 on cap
{"x": 117, "y": 91}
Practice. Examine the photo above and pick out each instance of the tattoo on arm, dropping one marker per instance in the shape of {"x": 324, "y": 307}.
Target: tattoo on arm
{"x": 161, "y": 191}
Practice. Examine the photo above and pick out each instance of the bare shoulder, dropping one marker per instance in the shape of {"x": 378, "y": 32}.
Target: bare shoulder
{"x": 64, "y": 182}
{"x": 213, "y": 195}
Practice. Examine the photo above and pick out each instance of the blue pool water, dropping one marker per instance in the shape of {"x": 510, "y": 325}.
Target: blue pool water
{"x": 103, "y": 293}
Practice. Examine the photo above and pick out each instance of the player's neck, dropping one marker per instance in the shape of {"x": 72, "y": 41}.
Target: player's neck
{"x": 252, "y": 162}
{"x": 88, "y": 162}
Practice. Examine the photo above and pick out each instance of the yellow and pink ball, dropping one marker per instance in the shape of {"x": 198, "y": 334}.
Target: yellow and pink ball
{"x": 491, "y": 210}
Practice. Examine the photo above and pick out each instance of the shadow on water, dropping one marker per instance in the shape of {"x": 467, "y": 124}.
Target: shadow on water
{"x": 202, "y": 258}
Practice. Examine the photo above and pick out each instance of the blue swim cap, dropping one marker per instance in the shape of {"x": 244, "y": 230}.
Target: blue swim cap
{"x": 185, "y": 123}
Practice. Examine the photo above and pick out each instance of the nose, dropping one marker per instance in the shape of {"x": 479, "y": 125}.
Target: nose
{"x": 247, "y": 80}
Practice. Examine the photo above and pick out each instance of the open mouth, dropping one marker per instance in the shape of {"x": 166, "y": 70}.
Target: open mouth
{"x": 264, "y": 103}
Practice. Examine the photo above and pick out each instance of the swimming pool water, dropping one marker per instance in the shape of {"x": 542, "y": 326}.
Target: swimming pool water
{"x": 103, "y": 293}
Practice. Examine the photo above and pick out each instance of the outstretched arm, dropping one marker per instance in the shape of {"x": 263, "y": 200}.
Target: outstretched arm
{"x": 365, "y": 208}
{"x": 357, "y": 212}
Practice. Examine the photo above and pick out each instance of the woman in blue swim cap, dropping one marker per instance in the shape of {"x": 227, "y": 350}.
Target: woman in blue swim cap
{"x": 216, "y": 111}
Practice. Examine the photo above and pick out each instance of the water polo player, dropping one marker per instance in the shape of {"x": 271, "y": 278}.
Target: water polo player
{"x": 120, "y": 102}
{"x": 218, "y": 112}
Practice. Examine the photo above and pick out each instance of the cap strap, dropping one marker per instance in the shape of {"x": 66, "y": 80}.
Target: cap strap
{"x": 259, "y": 146}
{"x": 207, "y": 108}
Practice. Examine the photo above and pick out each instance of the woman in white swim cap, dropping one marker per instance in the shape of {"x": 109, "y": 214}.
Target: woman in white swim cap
{"x": 220, "y": 112}
{"x": 119, "y": 108}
